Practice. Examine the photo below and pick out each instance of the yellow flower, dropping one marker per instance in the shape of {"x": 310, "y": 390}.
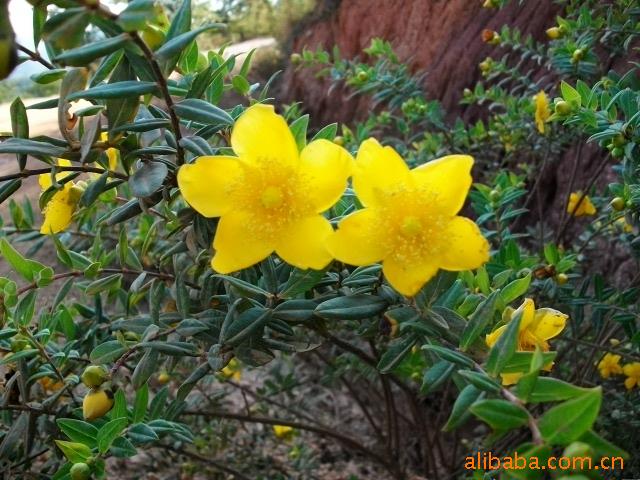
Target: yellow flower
{"x": 542, "y": 110}
{"x": 610, "y": 365}
{"x": 585, "y": 208}
{"x": 58, "y": 213}
{"x": 536, "y": 327}
{"x": 232, "y": 370}
{"x": 632, "y": 371}
{"x": 270, "y": 197}
{"x": 623, "y": 225}
{"x": 112, "y": 153}
{"x": 282, "y": 431}
{"x": 410, "y": 220}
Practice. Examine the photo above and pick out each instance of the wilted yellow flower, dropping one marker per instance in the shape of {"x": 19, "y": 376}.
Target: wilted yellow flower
{"x": 410, "y": 220}
{"x": 542, "y": 110}
{"x": 232, "y": 370}
{"x": 270, "y": 197}
{"x": 112, "y": 153}
{"x": 58, "y": 213}
{"x": 282, "y": 431}
{"x": 632, "y": 371}
{"x": 610, "y": 365}
{"x": 536, "y": 327}
{"x": 585, "y": 208}
{"x": 50, "y": 385}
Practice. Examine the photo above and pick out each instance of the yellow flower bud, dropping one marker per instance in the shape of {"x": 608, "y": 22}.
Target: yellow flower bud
{"x": 96, "y": 404}
{"x": 562, "y": 278}
{"x": 339, "y": 141}
{"x": 554, "y": 33}
{"x": 282, "y": 431}
{"x": 296, "y": 58}
{"x": 578, "y": 54}
{"x": 163, "y": 378}
{"x": 94, "y": 376}
{"x": 618, "y": 204}
{"x": 562, "y": 108}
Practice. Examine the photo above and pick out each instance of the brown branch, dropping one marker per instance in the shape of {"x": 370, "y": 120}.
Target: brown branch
{"x": 35, "y": 56}
{"x": 73, "y": 168}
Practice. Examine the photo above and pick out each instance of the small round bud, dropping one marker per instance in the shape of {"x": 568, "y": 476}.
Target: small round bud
{"x": 489, "y": 4}
{"x": 562, "y": 278}
{"x": 296, "y": 58}
{"x": 577, "y": 55}
{"x": 163, "y": 378}
{"x": 494, "y": 195}
{"x": 94, "y": 376}
{"x": 467, "y": 92}
{"x": 562, "y": 108}
{"x": 339, "y": 140}
{"x": 80, "y": 471}
{"x": 617, "y": 152}
{"x": 363, "y": 76}
{"x": 619, "y": 140}
{"x": 618, "y": 204}
{"x": 554, "y": 33}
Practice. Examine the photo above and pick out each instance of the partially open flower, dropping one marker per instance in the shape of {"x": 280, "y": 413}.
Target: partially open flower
{"x": 58, "y": 213}
{"x": 542, "y": 110}
{"x": 270, "y": 197}
{"x": 282, "y": 432}
{"x": 537, "y": 326}
{"x": 632, "y": 371}
{"x": 410, "y": 221}
{"x": 580, "y": 205}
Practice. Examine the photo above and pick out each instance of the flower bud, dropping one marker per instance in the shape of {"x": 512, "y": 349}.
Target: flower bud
{"x": 80, "y": 471}
{"x": 617, "y": 152}
{"x": 363, "y": 76}
{"x": 554, "y": 33}
{"x": 562, "y": 278}
{"x": 339, "y": 141}
{"x": 467, "y": 92}
{"x": 163, "y": 378}
{"x": 96, "y": 404}
{"x": 94, "y": 376}
{"x": 296, "y": 58}
{"x": 577, "y": 55}
{"x": 617, "y": 204}
{"x": 562, "y": 108}
{"x": 489, "y": 4}
{"x": 491, "y": 37}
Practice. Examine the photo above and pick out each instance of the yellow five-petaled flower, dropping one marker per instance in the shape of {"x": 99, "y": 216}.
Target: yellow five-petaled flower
{"x": 270, "y": 197}
{"x": 542, "y": 110}
{"x": 410, "y": 220}
{"x": 609, "y": 365}
{"x": 537, "y": 326}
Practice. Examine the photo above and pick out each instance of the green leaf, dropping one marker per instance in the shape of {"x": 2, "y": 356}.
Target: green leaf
{"x": 48, "y": 76}
{"x": 140, "y": 404}
{"x": 66, "y": 29}
{"x": 241, "y": 85}
{"x": 107, "y": 352}
{"x": 602, "y": 447}
{"x": 479, "y": 321}
{"x": 299, "y": 131}
{"x": 549, "y": 389}
{"x": 566, "y": 422}
{"x": 30, "y": 147}
{"x": 109, "y": 432}
{"x": 19, "y": 126}
{"x": 395, "y": 353}
{"x": 74, "y": 451}
{"x": 8, "y": 188}
{"x": 327, "y": 133}
{"x": 515, "y": 289}
{"x": 245, "y": 325}
{"x": 436, "y": 375}
{"x": 110, "y": 282}
{"x": 147, "y": 365}
{"x": 450, "y": 355}
{"x": 520, "y": 362}
{"x": 500, "y": 414}
{"x": 136, "y": 16}
{"x": 173, "y": 47}
{"x": 79, "y": 431}
{"x": 480, "y": 380}
{"x": 570, "y": 94}
{"x": 295, "y": 310}
{"x": 26, "y": 268}
{"x": 148, "y": 179}
{"x": 116, "y": 90}
{"x": 141, "y": 433}
{"x": 181, "y": 22}
{"x": 119, "y": 409}
{"x": 26, "y": 308}
{"x": 121, "y": 110}
{"x": 352, "y": 307}
{"x": 460, "y": 411}
{"x": 81, "y": 56}
{"x": 504, "y": 348}
{"x": 202, "y": 112}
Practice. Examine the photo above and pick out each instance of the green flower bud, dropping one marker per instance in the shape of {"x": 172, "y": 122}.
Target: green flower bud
{"x": 94, "y": 376}
{"x": 80, "y": 471}
{"x": 617, "y": 204}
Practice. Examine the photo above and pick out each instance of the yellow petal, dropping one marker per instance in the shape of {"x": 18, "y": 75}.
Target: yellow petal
{"x": 303, "y": 243}
{"x": 237, "y": 245}
{"x": 207, "y": 184}
{"x": 378, "y": 170}
{"x": 466, "y": 248}
{"x": 448, "y": 179}
{"x": 325, "y": 167}
{"x": 58, "y": 213}
{"x": 45, "y": 179}
{"x": 493, "y": 337}
{"x": 358, "y": 240}
{"x": 528, "y": 309}
{"x": 407, "y": 279}
{"x": 630, "y": 383}
{"x": 261, "y": 135}
{"x": 548, "y": 323}
{"x": 510, "y": 378}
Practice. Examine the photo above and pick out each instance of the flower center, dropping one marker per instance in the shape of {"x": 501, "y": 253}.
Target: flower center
{"x": 411, "y": 226}
{"x": 272, "y": 197}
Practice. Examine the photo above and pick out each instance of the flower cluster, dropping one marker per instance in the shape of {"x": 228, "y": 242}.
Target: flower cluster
{"x": 610, "y": 365}
{"x": 271, "y": 198}
{"x": 580, "y": 205}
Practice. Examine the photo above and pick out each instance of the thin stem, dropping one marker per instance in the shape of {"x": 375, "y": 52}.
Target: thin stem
{"x": 35, "y": 56}
{"x": 73, "y": 168}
